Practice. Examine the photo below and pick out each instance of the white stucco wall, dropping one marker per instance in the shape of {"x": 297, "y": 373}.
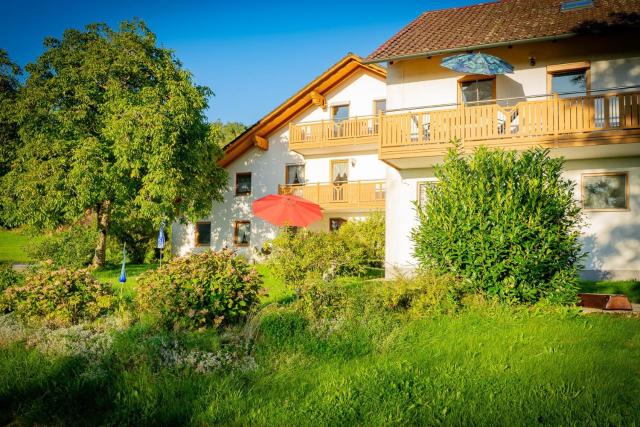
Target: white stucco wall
{"x": 268, "y": 172}
{"x": 610, "y": 239}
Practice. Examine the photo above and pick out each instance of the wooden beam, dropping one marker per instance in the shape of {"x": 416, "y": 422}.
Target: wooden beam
{"x": 261, "y": 142}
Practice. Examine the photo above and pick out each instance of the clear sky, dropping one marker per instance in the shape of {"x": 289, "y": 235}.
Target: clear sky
{"x": 253, "y": 54}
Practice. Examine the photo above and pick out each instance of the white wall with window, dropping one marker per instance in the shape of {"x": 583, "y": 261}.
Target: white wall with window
{"x": 607, "y": 189}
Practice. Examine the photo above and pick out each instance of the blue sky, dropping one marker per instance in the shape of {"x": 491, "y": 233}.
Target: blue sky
{"x": 254, "y": 55}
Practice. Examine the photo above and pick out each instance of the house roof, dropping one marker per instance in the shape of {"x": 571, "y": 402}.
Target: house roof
{"x": 256, "y": 135}
{"x": 502, "y": 23}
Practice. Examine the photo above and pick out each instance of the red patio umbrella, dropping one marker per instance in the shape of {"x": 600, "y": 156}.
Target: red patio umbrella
{"x": 287, "y": 210}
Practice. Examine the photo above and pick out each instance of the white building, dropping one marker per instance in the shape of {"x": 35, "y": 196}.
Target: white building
{"x": 320, "y": 144}
{"x": 573, "y": 91}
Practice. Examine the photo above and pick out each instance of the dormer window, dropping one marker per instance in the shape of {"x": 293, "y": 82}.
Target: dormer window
{"x": 569, "y": 5}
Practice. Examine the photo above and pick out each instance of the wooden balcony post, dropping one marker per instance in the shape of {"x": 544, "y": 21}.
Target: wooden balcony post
{"x": 556, "y": 116}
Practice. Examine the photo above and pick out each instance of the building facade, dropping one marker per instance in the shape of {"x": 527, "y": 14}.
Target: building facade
{"x": 575, "y": 90}
{"x": 321, "y": 144}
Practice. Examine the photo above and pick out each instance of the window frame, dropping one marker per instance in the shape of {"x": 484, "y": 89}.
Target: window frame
{"x": 472, "y": 78}
{"x": 235, "y": 233}
{"x": 286, "y": 172}
{"x": 340, "y": 104}
{"x": 244, "y": 193}
{"x": 626, "y": 191}
{"x": 374, "y": 102}
{"x": 335, "y": 161}
{"x": 568, "y": 68}
{"x": 196, "y": 234}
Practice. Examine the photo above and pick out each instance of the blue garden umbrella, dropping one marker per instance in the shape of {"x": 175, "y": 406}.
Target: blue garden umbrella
{"x": 123, "y": 273}
{"x": 477, "y": 63}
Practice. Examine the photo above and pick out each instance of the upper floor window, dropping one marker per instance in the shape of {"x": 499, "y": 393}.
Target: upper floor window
{"x": 203, "y": 233}
{"x": 379, "y": 106}
{"x": 569, "y": 80}
{"x": 605, "y": 191}
{"x": 294, "y": 174}
{"x": 243, "y": 183}
{"x": 477, "y": 89}
{"x": 340, "y": 112}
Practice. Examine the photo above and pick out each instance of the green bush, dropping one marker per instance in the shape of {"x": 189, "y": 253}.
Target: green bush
{"x": 426, "y": 293}
{"x": 368, "y": 234}
{"x": 72, "y": 248}
{"x": 200, "y": 290}
{"x": 8, "y": 277}
{"x": 322, "y": 300}
{"x": 507, "y": 223}
{"x": 59, "y": 297}
{"x": 297, "y": 255}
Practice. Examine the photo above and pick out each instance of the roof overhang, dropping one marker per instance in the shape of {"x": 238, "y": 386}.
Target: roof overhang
{"x": 258, "y": 134}
{"x": 469, "y": 48}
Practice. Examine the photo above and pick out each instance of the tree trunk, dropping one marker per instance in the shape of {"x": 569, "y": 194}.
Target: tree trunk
{"x": 103, "y": 215}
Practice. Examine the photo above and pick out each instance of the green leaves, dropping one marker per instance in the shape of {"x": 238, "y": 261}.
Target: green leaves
{"x": 200, "y": 290}
{"x": 108, "y": 115}
{"x": 507, "y": 222}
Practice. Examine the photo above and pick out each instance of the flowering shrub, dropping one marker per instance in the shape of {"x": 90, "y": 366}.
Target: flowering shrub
{"x": 200, "y": 290}
{"x": 8, "y": 277}
{"x": 59, "y": 297}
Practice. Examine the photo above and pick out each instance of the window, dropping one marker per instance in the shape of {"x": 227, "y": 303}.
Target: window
{"x": 243, "y": 183}
{"x": 336, "y": 223}
{"x": 379, "y": 106}
{"x": 569, "y": 80}
{"x": 477, "y": 89}
{"x": 294, "y": 174}
{"x": 242, "y": 233}
{"x": 339, "y": 177}
{"x": 422, "y": 191}
{"x": 605, "y": 191}
{"x": 203, "y": 233}
{"x": 340, "y": 112}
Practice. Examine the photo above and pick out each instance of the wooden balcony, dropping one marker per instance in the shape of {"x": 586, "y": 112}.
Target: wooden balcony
{"x": 407, "y": 140}
{"x": 355, "y": 134}
{"x": 352, "y": 195}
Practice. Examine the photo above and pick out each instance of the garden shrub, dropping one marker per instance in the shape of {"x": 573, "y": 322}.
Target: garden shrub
{"x": 8, "y": 277}
{"x": 200, "y": 290}
{"x": 369, "y": 234}
{"x": 73, "y": 247}
{"x": 299, "y": 254}
{"x": 319, "y": 299}
{"x": 425, "y": 293}
{"x": 60, "y": 297}
{"x": 507, "y": 223}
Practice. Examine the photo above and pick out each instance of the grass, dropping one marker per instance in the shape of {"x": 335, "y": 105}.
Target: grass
{"x": 630, "y": 288}
{"x": 111, "y": 274}
{"x": 12, "y": 244}
{"x": 496, "y": 366}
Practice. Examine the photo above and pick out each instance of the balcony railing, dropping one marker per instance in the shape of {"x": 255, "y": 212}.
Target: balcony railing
{"x": 549, "y": 120}
{"x": 340, "y": 196}
{"x": 333, "y": 133}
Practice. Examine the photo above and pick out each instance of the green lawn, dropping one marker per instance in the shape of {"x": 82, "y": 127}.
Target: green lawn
{"x": 493, "y": 366}
{"x": 111, "y": 275}
{"x": 12, "y": 244}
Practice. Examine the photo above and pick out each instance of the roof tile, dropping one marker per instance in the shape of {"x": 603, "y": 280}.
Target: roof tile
{"x": 500, "y": 22}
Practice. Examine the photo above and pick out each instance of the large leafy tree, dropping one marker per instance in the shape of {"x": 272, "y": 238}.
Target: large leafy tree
{"x": 111, "y": 123}
{"x": 9, "y": 86}
{"x": 227, "y": 132}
